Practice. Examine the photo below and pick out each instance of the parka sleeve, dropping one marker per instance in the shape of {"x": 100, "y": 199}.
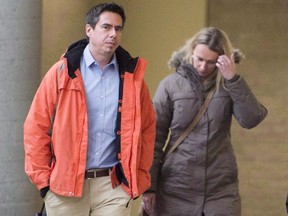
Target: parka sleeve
{"x": 37, "y": 131}
{"x": 164, "y": 113}
{"x": 248, "y": 111}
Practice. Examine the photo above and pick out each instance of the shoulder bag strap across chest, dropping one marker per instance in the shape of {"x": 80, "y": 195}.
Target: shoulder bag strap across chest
{"x": 193, "y": 123}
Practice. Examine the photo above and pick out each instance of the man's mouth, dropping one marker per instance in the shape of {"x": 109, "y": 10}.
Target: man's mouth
{"x": 111, "y": 43}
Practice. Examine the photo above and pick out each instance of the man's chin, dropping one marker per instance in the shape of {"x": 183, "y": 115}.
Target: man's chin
{"x": 111, "y": 50}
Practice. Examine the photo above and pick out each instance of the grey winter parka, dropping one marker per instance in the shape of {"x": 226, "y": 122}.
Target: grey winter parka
{"x": 200, "y": 176}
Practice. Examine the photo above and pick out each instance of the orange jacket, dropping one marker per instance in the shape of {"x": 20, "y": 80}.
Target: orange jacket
{"x": 56, "y": 128}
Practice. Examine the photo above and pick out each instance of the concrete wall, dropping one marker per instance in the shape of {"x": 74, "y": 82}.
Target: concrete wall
{"x": 20, "y": 22}
{"x": 260, "y": 29}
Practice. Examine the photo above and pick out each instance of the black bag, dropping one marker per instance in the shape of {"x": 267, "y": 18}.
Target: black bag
{"x": 42, "y": 212}
{"x": 287, "y": 203}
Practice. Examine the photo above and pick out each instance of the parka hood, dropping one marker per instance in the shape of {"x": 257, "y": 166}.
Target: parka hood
{"x": 177, "y": 58}
{"x": 178, "y": 62}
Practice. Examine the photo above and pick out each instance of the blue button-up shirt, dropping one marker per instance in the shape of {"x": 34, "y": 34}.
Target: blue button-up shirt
{"x": 102, "y": 91}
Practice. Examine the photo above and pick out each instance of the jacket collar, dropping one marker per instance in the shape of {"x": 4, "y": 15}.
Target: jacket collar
{"x": 75, "y": 51}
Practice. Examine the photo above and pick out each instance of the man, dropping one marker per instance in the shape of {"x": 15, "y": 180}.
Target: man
{"x": 91, "y": 125}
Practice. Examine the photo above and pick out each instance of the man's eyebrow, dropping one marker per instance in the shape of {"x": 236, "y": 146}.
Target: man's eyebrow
{"x": 110, "y": 25}
{"x": 106, "y": 24}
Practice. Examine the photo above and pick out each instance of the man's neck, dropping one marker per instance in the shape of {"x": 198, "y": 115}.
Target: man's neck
{"x": 103, "y": 60}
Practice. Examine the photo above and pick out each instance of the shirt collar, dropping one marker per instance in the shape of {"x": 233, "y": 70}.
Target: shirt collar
{"x": 89, "y": 60}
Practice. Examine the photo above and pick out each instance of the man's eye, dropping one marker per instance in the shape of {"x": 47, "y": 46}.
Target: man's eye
{"x": 105, "y": 27}
{"x": 118, "y": 29}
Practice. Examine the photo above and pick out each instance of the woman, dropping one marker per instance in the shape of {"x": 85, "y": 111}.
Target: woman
{"x": 200, "y": 176}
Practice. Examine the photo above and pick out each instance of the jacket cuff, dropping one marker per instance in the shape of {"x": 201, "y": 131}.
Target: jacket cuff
{"x": 234, "y": 79}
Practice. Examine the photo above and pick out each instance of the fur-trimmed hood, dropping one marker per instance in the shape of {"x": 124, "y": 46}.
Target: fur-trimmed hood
{"x": 177, "y": 58}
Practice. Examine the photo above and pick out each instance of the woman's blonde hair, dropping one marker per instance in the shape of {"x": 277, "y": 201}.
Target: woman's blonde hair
{"x": 217, "y": 41}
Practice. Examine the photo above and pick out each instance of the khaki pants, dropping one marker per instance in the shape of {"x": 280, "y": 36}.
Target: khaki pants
{"x": 99, "y": 199}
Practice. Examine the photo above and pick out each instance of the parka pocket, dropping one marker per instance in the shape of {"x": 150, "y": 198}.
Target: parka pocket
{"x": 185, "y": 108}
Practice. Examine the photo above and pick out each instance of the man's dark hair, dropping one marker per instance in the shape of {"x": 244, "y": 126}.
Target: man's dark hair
{"x": 94, "y": 13}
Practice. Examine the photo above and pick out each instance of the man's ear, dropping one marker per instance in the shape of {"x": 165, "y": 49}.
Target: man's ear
{"x": 88, "y": 30}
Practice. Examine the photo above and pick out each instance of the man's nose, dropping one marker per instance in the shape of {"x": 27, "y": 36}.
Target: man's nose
{"x": 113, "y": 32}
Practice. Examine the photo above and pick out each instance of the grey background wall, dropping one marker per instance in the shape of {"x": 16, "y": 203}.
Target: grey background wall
{"x": 155, "y": 28}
